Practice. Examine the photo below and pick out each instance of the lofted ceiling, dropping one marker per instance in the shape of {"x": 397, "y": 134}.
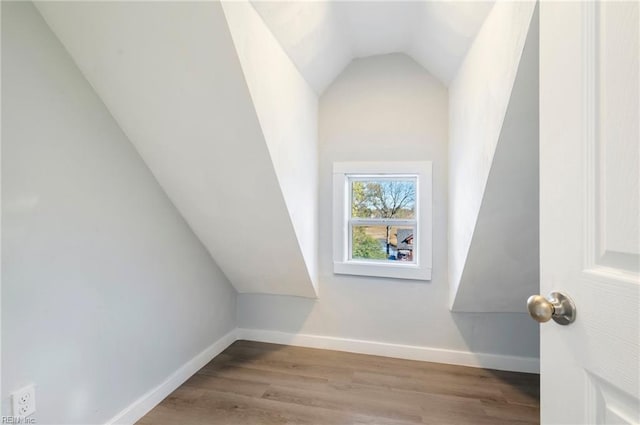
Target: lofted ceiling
{"x": 321, "y": 38}
{"x": 234, "y": 101}
{"x": 170, "y": 75}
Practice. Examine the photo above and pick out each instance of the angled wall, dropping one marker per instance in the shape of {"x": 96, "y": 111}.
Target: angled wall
{"x": 169, "y": 74}
{"x": 287, "y": 108}
{"x": 106, "y": 292}
{"x": 478, "y": 101}
{"x": 503, "y": 267}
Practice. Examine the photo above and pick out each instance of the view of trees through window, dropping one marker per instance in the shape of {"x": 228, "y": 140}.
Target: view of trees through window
{"x": 383, "y": 214}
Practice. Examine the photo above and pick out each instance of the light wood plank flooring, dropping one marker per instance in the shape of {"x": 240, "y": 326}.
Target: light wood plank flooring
{"x": 258, "y": 383}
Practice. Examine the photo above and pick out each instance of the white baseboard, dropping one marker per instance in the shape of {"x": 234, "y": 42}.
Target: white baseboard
{"x": 152, "y": 398}
{"x": 410, "y": 352}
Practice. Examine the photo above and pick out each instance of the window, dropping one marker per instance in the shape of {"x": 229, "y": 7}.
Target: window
{"x": 382, "y": 219}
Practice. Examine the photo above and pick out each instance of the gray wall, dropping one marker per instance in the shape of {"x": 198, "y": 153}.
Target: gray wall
{"x": 478, "y": 99}
{"x": 502, "y": 267}
{"x": 105, "y": 289}
{"x": 387, "y": 108}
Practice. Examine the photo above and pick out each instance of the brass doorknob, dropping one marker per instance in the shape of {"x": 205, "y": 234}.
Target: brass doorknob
{"x": 556, "y": 306}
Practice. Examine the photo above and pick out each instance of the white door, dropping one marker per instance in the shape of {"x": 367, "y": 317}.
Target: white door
{"x": 590, "y": 213}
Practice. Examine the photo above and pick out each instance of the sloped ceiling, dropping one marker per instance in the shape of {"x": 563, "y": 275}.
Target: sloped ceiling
{"x": 169, "y": 74}
{"x": 321, "y": 38}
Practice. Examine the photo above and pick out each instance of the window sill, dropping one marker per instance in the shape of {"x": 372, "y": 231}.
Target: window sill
{"x": 398, "y": 271}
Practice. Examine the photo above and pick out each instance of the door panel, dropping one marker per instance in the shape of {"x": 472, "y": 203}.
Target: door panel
{"x": 590, "y": 210}
{"x": 606, "y": 404}
{"x": 611, "y": 33}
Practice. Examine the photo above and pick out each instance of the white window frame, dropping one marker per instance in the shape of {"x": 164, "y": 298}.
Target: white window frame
{"x": 343, "y": 172}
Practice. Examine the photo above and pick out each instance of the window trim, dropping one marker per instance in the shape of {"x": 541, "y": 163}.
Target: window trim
{"x": 420, "y": 269}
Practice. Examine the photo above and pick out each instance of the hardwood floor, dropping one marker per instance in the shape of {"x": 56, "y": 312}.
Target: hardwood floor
{"x": 258, "y": 383}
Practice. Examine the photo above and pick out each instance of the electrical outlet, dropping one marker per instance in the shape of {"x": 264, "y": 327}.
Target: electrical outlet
{"x": 24, "y": 401}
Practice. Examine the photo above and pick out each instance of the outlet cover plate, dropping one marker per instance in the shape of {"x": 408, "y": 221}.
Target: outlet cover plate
{"x": 24, "y": 401}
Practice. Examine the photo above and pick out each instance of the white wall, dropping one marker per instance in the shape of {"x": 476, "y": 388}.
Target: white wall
{"x": 478, "y": 101}
{"x": 106, "y": 291}
{"x": 387, "y": 108}
{"x": 287, "y": 109}
{"x": 502, "y": 268}
{"x": 169, "y": 74}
